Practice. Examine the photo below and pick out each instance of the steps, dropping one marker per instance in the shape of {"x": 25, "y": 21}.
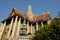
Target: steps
{"x": 21, "y": 38}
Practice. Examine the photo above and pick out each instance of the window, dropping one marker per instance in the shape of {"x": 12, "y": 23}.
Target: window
{"x": 23, "y": 30}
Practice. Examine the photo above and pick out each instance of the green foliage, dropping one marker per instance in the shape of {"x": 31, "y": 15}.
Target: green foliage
{"x": 49, "y": 32}
{"x": 59, "y": 15}
{"x": 29, "y": 33}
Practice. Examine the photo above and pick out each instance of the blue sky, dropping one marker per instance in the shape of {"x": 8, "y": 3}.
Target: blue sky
{"x": 38, "y": 7}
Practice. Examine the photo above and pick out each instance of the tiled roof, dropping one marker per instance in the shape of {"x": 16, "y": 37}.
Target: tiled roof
{"x": 43, "y": 17}
{"x": 35, "y": 17}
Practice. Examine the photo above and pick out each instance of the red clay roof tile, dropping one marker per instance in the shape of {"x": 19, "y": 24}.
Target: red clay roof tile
{"x": 35, "y": 18}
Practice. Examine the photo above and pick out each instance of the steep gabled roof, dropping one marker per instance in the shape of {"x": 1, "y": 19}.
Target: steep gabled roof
{"x": 43, "y": 17}
{"x": 29, "y": 14}
{"x": 14, "y": 12}
{"x": 35, "y": 17}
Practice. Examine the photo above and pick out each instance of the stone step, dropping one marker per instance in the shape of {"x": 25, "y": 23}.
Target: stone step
{"x": 21, "y": 38}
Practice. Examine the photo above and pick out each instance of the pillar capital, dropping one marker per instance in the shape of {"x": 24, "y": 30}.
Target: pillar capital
{"x": 16, "y": 16}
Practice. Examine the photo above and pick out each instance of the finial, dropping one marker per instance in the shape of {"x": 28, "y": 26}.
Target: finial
{"x": 14, "y": 8}
{"x": 48, "y": 12}
{"x": 29, "y": 9}
{"x": 29, "y": 6}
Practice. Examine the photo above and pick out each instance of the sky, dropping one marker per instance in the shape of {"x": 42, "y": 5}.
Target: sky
{"x": 38, "y": 7}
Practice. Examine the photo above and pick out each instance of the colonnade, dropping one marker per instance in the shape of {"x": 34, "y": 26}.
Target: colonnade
{"x": 29, "y": 27}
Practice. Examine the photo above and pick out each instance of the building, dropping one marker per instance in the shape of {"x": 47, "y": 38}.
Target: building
{"x": 19, "y": 26}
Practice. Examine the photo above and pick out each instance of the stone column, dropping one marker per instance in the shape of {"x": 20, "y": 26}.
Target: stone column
{"x": 10, "y": 28}
{"x": 19, "y": 26}
{"x": 14, "y": 26}
{"x": 36, "y": 26}
{"x": 31, "y": 29}
{"x": 42, "y": 24}
{"x": 3, "y": 27}
{"x": 1, "y": 31}
{"x": 28, "y": 31}
{"x": 24, "y": 22}
{"x": 49, "y": 22}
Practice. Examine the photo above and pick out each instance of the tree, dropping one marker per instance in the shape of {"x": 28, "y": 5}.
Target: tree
{"x": 49, "y": 32}
{"x": 58, "y": 15}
